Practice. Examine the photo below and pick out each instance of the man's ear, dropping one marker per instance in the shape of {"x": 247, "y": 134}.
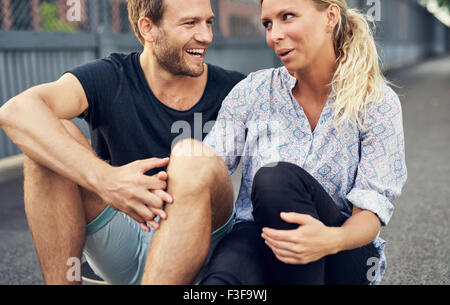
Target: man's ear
{"x": 147, "y": 29}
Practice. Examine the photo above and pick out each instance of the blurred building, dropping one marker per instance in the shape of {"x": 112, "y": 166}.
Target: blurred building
{"x": 39, "y": 39}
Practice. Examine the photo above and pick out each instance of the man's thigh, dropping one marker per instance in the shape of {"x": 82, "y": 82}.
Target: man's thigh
{"x": 92, "y": 203}
{"x": 116, "y": 247}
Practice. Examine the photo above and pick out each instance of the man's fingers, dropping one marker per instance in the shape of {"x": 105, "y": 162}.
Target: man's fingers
{"x": 163, "y": 195}
{"x": 162, "y": 175}
{"x": 160, "y": 213}
{"x": 153, "y": 183}
{"x": 144, "y": 212}
{"x": 140, "y": 220}
{"x": 144, "y": 227}
{"x": 153, "y": 199}
{"x": 152, "y": 163}
{"x": 154, "y": 224}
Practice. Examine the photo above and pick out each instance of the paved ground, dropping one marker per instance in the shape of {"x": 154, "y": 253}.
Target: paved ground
{"x": 418, "y": 235}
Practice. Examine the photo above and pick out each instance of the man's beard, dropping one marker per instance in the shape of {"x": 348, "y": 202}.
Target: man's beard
{"x": 170, "y": 59}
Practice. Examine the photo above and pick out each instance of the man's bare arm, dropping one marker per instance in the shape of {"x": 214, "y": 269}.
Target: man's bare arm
{"x": 32, "y": 121}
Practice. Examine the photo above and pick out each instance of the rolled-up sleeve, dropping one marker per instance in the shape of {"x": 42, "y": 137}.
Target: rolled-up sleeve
{"x": 382, "y": 170}
{"x": 227, "y": 137}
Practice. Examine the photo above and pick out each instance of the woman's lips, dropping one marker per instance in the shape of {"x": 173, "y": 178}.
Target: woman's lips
{"x": 284, "y": 53}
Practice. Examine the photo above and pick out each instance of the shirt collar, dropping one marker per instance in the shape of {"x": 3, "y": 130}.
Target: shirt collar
{"x": 287, "y": 78}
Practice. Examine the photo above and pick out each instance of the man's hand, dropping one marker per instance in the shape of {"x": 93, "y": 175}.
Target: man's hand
{"x": 129, "y": 190}
{"x": 311, "y": 241}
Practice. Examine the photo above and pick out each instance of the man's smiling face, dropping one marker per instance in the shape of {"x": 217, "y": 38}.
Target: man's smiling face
{"x": 183, "y": 36}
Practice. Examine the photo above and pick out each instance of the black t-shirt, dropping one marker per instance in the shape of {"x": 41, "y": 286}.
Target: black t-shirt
{"x": 127, "y": 122}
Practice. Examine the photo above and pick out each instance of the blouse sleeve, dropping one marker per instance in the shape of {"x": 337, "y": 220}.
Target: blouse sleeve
{"x": 227, "y": 137}
{"x": 382, "y": 170}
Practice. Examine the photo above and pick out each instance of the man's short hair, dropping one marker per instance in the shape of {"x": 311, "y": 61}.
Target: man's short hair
{"x": 152, "y": 9}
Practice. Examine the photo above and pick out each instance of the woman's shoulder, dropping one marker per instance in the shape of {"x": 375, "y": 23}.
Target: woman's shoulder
{"x": 390, "y": 102}
{"x": 389, "y": 94}
{"x": 387, "y": 111}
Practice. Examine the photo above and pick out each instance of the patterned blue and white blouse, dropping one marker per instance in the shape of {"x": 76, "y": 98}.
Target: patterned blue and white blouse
{"x": 261, "y": 122}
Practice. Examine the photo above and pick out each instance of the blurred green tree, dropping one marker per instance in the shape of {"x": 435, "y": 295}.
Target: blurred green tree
{"x": 51, "y": 22}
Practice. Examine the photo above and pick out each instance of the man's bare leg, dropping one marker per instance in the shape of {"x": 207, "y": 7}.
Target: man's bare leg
{"x": 56, "y": 215}
{"x": 203, "y": 201}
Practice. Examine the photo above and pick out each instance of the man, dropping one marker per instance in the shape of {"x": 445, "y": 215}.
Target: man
{"x": 74, "y": 200}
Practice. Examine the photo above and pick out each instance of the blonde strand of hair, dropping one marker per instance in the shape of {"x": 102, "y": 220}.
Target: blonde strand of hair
{"x": 358, "y": 81}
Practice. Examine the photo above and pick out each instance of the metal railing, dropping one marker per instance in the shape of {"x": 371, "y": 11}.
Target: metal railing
{"x": 41, "y": 39}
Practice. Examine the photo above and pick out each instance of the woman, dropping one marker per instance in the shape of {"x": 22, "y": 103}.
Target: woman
{"x": 323, "y": 153}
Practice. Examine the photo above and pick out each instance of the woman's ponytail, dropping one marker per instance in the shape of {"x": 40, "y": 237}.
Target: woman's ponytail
{"x": 358, "y": 80}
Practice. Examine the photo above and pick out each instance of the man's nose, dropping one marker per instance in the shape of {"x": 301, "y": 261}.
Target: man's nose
{"x": 204, "y": 34}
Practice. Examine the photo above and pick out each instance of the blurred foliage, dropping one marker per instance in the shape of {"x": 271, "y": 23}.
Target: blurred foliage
{"x": 51, "y": 22}
{"x": 444, "y": 3}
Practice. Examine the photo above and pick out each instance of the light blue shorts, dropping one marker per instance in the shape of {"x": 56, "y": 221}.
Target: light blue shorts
{"x": 116, "y": 247}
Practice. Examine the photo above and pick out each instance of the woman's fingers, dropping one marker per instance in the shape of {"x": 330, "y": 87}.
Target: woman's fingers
{"x": 281, "y": 245}
{"x": 281, "y": 235}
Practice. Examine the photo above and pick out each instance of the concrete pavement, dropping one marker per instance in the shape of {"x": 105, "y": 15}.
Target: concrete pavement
{"x": 418, "y": 250}
{"x": 418, "y": 236}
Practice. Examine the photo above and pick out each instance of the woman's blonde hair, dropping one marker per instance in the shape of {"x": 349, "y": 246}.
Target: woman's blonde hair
{"x": 358, "y": 80}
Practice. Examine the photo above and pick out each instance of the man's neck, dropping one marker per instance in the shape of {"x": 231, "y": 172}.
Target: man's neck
{"x": 176, "y": 91}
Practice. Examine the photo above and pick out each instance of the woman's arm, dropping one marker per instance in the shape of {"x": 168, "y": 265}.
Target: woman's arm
{"x": 227, "y": 136}
{"x": 359, "y": 230}
{"x": 380, "y": 177}
{"x": 312, "y": 240}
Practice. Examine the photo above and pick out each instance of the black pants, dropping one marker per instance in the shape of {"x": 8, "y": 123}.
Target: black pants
{"x": 243, "y": 258}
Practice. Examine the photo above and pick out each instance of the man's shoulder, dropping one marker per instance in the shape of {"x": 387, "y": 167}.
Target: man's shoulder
{"x": 225, "y": 76}
{"x": 106, "y": 66}
{"x": 121, "y": 59}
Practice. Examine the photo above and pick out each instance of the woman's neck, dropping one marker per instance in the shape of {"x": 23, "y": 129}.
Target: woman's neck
{"x": 315, "y": 81}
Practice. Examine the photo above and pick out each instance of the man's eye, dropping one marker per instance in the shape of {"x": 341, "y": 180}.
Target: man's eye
{"x": 267, "y": 24}
{"x": 287, "y": 16}
{"x": 190, "y": 23}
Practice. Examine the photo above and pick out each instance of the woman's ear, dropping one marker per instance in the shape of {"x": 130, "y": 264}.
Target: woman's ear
{"x": 333, "y": 16}
{"x": 147, "y": 29}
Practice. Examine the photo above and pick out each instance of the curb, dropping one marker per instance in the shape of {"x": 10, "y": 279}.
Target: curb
{"x": 11, "y": 168}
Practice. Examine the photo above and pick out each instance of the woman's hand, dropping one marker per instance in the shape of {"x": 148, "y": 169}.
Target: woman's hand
{"x": 311, "y": 241}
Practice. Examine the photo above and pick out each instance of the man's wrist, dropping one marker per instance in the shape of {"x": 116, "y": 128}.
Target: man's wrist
{"x": 97, "y": 175}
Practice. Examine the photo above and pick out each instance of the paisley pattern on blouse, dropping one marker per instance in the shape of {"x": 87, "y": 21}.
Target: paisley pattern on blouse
{"x": 260, "y": 122}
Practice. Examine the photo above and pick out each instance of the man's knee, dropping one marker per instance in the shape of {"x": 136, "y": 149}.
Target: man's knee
{"x": 194, "y": 161}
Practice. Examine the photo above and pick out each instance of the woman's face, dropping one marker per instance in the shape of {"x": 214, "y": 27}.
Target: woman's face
{"x": 297, "y": 32}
